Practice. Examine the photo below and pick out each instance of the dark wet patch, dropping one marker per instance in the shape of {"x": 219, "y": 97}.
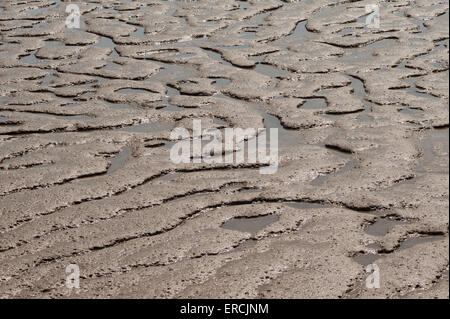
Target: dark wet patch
{"x": 172, "y": 91}
{"x": 360, "y": 91}
{"x": 411, "y": 242}
{"x": 50, "y": 43}
{"x": 221, "y": 82}
{"x": 419, "y": 23}
{"x": 120, "y": 159}
{"x": 299, "y": 34}
{"x": 165, "y": 104}
{"x": 366, "y": 259}
{"x": 270, "y": 70}
{"x": 139, "y": 33}
{"x": 351, "y": 164}
{"x": 217, "y": 56}
{"x": 382, "y": 226}
{"x": 248, "y": 35}
{"x": 414, "y": 90}
{"x": 105, "y": 42}
{"x": 250, "y": 224}
{"x": 31, "y": 59}
{"x": 314, "y": 104}
{"x": 286, "y": 137}
{"x": 49, "y": 78}
{"x": 364, "y": 118}
{"x": 258, "y": 58}
{"x": 436, "y": 138}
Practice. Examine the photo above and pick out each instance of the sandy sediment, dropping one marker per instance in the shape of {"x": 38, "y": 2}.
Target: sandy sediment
{"x": 85, "y": 171}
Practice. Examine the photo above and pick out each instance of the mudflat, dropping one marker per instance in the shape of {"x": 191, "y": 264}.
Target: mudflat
{"x": 86, "y": 179}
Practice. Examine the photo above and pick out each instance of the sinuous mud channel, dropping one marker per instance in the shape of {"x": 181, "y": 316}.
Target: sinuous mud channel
{"x": 86, "y": 179}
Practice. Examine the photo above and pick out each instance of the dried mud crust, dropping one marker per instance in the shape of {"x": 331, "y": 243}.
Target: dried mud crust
{"x": 86, "y": 179}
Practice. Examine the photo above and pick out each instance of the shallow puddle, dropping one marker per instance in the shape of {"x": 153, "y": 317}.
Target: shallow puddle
{"x": 382, "y": 226}
{"x": 185, "y": 39}
{"x": 120, "y": 159}
{"x": 219, "y": 82}
{"x": 286, "y": 138}
{"x": 314, "y": 104}
{"x": 351, "y": 164}
{"x": 299, "y": 35}
{"x": 411, "y": 242}
{"x": 250, "y": 224}
{"x": 133, "y": 91}
{"x": 435, "y": 139}
{"x": 412, "y": 112}
{"x": 270, "y": 70}
{"x": 366, "y": 259}
{"x": 32, "y": 59}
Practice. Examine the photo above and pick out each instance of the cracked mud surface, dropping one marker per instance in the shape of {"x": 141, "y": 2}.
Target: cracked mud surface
{"x": 86, "y": 179}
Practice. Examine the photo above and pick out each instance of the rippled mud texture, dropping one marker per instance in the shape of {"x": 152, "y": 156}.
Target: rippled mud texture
{"x": 85, "y": 175}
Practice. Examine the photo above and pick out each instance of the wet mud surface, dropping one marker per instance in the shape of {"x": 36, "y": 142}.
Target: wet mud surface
{"x": 86, "y": 178}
